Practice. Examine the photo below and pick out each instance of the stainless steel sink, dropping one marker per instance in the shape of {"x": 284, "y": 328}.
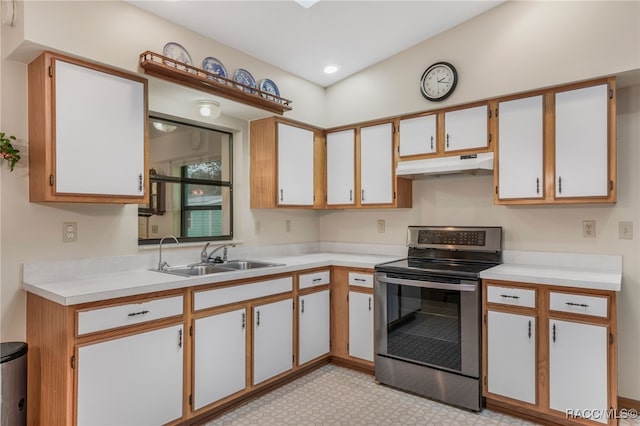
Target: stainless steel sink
{"x": 241, "y": 265}
{"x": 197, "y": 269}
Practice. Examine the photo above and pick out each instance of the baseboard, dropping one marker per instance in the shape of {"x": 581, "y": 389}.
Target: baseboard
{"x": 628, "y": 403}
{"x": 363, "y": 367}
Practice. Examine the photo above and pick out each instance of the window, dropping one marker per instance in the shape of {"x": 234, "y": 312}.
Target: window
{"x": 190, "y": 183}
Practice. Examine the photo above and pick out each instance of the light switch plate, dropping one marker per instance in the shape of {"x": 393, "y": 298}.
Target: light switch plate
{"x": 625, "y": 230}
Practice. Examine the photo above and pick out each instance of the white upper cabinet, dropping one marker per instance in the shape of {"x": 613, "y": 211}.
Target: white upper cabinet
{"x": 341, "y": 167}
{"x": 376, "y": 164}
{"x": 418, "y": 135}
{"x": 520, "y": 148}
{"x": 87, "y": 132}
{"x": 295, "y": 165}
{"x": 466, "y": 129}
{"x": 581, "y": 142}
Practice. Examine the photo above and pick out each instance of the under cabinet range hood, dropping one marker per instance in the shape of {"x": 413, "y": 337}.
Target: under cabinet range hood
{"x": 469, "y": 163}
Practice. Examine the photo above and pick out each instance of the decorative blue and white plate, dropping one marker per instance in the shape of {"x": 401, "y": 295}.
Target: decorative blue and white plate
{"x": 269, "y": 86}
{"x": 175, "y": 51}
{"x": 214, "y": 66}
{"x": 243, "y": 76}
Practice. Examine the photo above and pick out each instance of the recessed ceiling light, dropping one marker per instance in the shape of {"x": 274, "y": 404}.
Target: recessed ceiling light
{"x": 330, "y": 69}
{"x": 306, "y": 3}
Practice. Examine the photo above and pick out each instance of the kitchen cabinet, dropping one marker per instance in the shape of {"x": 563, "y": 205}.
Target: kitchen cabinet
{"x": 549, "y": 350}
{"x": 272, "y": 339}
{"x": 295, "y": 165}
{"x": 582, "y": 142}
{"x": 466, "y": 129}
{"x": 286, "y": 164}
{"x": 219, "y": 356}
{"x": 132, "y": 380}
{"x": 341, "y": 165}
{"x": 568, "y": 156}
{"x": 361, "y": 325}
{"x": 72, "y": 158}
{"x": 511, "y": 355}
{"x": 520, "y": 148}
{"x": 418, "y": 135}
{"x": 376, "y": 164}
{"x": 578, "y": 366}
{"x": 313, "y": 326}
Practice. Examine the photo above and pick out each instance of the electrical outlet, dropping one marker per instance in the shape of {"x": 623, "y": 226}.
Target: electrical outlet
{"x": 589, "y": 228}
{"x": 69, "y": 232}
{"x": 625, "y": 230}
{"x": 380, "y": 225}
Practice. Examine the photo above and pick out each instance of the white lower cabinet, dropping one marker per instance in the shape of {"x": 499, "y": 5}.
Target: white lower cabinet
{"x": 578, "y": 381}
{"x": 272, "y": 339}
{"x": 511, "y": 355}
{"x": 219, "y": 356}
{"x": 313, "y": 326}
{"x": 361, "y": 325}
{"x": 132, "y": 380}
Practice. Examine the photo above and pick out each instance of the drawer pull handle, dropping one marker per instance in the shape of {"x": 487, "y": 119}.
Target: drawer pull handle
{"x": 582, "y": 305}
{"x": 360, "y": 279}
{"x": 315, "y": 280}
{"x": 135, "y": 314}
{"x": 508, "y": 296}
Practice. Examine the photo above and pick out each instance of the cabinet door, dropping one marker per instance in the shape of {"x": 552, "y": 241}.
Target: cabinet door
{"x": 133, "y": 380}
{"x": 313, "y": 334}
{"x": 582, "y": 142}
{"x": 295, "y": 165}
{"x": 361, "y": 325}
{"x": 520, "y": 148}
{"x": 341, "y": 167}
{"x": 376, "y": 164}
{"x": 511, "y": 355}
{"x": 418, "y": 135}
{"x": 219, "y": 356}
{"x": 272, "y": 339}
{"x": 466, "y": 129}
{"x": 577, "y": 366}
{"x": 100, "y": 131}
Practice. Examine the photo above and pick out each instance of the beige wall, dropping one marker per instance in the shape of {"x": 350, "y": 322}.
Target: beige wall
{"x": 516, "y": 47}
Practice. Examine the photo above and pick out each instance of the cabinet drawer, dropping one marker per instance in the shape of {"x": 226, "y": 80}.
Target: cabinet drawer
{"x": 579, "y": 304}
{"x": 129, "y": 314}
{"x": 361, "y": 280}
{"x": 511, "y": 296}
{"x": 223, "y": 296}
{"x": 314, "y": 279}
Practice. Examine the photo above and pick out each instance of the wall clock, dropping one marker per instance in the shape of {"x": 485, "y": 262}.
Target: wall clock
{"x": 438, "y": 81}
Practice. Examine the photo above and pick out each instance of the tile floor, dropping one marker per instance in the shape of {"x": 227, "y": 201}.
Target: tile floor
{"x": 334, "y": 395}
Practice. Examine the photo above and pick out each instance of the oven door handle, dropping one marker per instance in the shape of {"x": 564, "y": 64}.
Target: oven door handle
{"x": 426, "y": 284}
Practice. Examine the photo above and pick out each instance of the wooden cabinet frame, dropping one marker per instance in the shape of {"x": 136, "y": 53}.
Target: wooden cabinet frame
{"x": 543, "y": 314}
{"x": 549, "y": 159}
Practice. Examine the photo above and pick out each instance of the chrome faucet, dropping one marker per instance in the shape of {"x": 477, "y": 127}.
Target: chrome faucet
{"x": 162, "y": 265}
{"x": 205, "y": 257}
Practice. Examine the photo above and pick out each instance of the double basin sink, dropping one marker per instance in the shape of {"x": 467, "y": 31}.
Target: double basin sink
{"x": 198, "y": 269}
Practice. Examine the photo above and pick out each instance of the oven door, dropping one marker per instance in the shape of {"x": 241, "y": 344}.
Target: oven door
{"x": 430, "y": 321}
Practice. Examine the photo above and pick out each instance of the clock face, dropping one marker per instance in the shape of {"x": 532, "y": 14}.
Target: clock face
{"x": 438, "y": 81}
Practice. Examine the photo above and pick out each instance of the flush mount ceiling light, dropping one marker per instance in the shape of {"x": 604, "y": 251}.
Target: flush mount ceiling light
{"x": 164, "y": 127}
{"x": 306, "y": 3}
{"x": 330, "y": 69}
{"x": 209, "y": 109}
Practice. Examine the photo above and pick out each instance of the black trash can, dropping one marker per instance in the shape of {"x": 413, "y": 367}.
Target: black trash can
{"x": 14, "y": 384}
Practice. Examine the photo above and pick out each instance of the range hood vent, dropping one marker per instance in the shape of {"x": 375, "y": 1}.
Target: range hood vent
{"x": 446, "y": 165}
